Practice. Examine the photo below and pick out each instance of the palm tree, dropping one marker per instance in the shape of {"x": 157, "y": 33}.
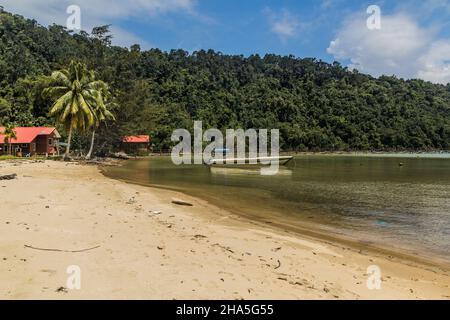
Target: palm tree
{"x": 101, "y": 112}
{"x": 75, "y": 92}
{"x": 9, "y": 134}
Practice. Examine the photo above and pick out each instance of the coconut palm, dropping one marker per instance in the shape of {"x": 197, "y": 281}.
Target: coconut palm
{"x": 101, "y": 112}
{"x": 75, "y": 92}
{"x": 9, "y": 134}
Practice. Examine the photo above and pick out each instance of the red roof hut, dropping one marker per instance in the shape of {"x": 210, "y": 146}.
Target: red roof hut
{"x": 31, "y": 141}
{"x": 136, "y": 144}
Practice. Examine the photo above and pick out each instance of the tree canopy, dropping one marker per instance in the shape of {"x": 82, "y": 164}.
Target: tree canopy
{"x": 316, "y": 105}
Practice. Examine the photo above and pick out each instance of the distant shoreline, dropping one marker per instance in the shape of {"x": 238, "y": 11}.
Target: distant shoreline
{"x": 348, "y": 153}
{"x": 370, "y": 153}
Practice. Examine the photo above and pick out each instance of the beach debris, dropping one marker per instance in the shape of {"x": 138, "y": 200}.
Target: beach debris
{"x": 9, "y": 176}
{"x": 131, "y": 200}
{"x": 293, "y": 282}
{"x": 121, "y": 155}
{"x": 62, "y": 290}
{"x": 50, "y": 271}
{"x": 160, "y": 248}
{"x": 60, "y": 250}
{"x": 200, "y": 236}
{"x": 155, "y": 213}
{"x": 181, "y": 202}
{"x": 276, "y": 249}
{"x": 382, "y": 223}
{"x": 279, "y": 265}
{"x": 223, "y": 247}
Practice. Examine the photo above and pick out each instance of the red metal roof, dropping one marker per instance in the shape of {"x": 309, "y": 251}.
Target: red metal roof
{"x": 136, "y": 139}
{"x": 28, "y": 134}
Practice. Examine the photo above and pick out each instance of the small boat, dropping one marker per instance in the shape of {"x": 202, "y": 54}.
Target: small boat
{"x": 246, "y": 170}
{"x": 256, "y": 161}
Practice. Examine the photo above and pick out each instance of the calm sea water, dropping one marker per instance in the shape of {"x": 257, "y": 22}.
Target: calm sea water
{"x": 370, "y": 198}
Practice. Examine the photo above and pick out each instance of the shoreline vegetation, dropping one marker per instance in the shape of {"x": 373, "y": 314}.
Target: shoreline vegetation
{"x": 124, "y": 156}
{"x": 141, "y": 245}
{"x": 118, "y": 158}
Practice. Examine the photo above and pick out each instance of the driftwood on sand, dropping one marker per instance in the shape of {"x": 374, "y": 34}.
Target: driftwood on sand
{"x": 181, "y": 202}
{"x": 9, "y": 177}
{"x": 61, "y": 250}
{"x": 120, "y": 155}
{"x": 279, "y": 264}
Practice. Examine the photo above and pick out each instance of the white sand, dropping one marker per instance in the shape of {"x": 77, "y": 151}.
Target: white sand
{"x": 198, "y": 252}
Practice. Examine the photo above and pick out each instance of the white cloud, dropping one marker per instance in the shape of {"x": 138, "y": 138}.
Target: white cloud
{"x": 401, "y": 47}
{"x": 124, "y": 38}
{"x": 284, "y": 23}
{"x": 435, "y": 64}
{"x": 99, "y": 12}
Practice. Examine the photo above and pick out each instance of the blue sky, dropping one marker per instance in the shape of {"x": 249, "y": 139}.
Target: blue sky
{"x": 414, "y": 39}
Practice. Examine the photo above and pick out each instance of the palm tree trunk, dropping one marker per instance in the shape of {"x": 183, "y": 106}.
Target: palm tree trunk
{"x": 88, "y": 156}
{"x": 69, "y": 139}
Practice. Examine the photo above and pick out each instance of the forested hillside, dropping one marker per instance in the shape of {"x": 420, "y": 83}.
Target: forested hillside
{"x": 315, "y": 105}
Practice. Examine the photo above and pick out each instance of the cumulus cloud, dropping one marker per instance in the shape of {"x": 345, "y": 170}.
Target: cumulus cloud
{"x": 401, "y": 47}
{"x": 99, "y": 12}
{"x": 435, "y": 64}
{"x": 284, "y": 23}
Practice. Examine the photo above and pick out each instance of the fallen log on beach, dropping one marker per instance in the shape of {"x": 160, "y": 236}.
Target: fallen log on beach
{"x": 9, "y": 177}
{"x": 181, "y": 202}
{"x": 120, "y": 155}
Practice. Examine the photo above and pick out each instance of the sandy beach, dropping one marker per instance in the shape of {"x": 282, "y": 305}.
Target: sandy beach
{"x": 132, "y": 242}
